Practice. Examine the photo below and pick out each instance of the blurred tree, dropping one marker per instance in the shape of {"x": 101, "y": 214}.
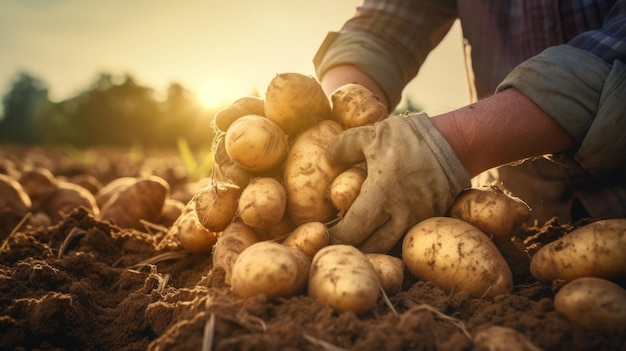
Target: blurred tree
{"x": 23, "y": 106}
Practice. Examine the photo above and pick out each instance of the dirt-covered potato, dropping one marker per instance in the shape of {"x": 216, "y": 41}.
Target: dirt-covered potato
{"x": 309, "y": 238}
{"x": 262, "y": 203}
{"x": 270, "y": 268}
{"x": 594, "y": 250}
{"x": 354, "y": 106}
{"x": 191, "y": 234}
{"x": 295, "y": 102}
{"x": 390, "y": 271}
{"x": 67, "y": 197}
{"x": 230, "y": 243}
{"x": 255, "y": 143}
{"x": 344, "y": 278}
{"x": 496, "y": 338}
{"x": 247, "y": 105}
{"x": 216, "y": 205}
{"x": 495, "y": 213}
{"x": 456, "y": 256}
{"x": 308, "y": 173}
{"x": 346, "y": 187}
{"x": 593, "y": 303}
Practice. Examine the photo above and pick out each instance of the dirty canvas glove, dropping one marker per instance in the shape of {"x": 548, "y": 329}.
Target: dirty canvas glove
{"x": 412, "y": 174}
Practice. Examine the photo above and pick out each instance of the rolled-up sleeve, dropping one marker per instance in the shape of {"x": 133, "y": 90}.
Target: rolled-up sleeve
{"x": 582, "y": 86}
{"x": 387, "y": 40}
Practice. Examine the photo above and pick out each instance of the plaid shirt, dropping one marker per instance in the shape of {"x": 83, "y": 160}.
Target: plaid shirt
{"x": 391, "y": 39}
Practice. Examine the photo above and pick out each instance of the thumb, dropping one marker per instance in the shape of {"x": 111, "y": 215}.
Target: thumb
{"x": 348, "y": 147}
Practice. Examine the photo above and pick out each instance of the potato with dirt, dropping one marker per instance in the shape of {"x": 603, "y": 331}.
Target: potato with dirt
{"x": 593, "y": 303}
{"x": 247, "y": 105}
{"x": 255, "y": 143}
{"x": 230, "y": 243}
{"x": 309, "y": 238}
{"x": 271, "y": 269}
{"x": 354, "y": 105}
{"x": 346, "y": 187}
{"x": 594, "y": 250}
{"x": 216, "y": 205}
{"x": 308, "y": 173}
{"x": 494, "y": 212}
{"x": 390, "y": 271}
{"x": 262, "y": 203}
{"x": 296, "y": 102}
{"x": 189, "y": 234}
{"x": 457, "y": 257}
{"x": 342, "y": 277}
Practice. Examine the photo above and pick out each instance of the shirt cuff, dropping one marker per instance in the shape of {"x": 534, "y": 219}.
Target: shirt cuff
{"x": 582, "y": 93}
{"x": 367, "y": 54}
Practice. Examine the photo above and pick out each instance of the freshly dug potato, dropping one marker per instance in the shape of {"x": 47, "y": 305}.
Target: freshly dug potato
{"x": 255, "y": 143}
{"x": 113, "y": 187}
{"x": 276, "y": 232}
{"x": 593, "y": 303}
{"x": 226, "y": 170}
{"x": 308, "y": 173}
{"x": 390, "y": 271}
{"x": 172, "y": 209}
{"x": 247, "y": 105}
{"x": 456, "y": 256}
{"x": 491, "y": 210}
{"x": 216, "y": 205}
{"x": 270, "y": 268}
{"x": 309, "y": 238}
{"x": 67, "y": 197}
{"x": 354, "y": 106}
{"x": 295, "y": 102}
{"x": 230, "y": 243}
{"x": 498, "y": 338}
{"x": 262, "y": 203}
{"x": 344, "y": 278}
{"x": 142, "y": 200}
{"x": 191, "y": 234}
{"x": 13, "y": 197}
{"x": 594, "y": 250}
{"x": 346, "y": 187}
{"x": 39, "y": 184}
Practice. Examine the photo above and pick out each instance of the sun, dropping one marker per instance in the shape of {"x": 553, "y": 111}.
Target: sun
{"x": 218, "y": 94}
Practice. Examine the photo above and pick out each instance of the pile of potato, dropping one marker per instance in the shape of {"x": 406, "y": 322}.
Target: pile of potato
{"x": 274, "y": 193}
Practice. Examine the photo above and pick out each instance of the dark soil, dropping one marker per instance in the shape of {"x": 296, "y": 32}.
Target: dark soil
{"x": 109, "y": 290}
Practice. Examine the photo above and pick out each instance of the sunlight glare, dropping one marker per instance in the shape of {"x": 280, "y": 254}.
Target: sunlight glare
{"x": 216, "y": 94}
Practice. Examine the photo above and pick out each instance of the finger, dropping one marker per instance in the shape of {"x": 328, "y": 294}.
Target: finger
{"x": 385, "y": 237}
{"x": 348, "y": 146}
{"x": 363, "y": 218}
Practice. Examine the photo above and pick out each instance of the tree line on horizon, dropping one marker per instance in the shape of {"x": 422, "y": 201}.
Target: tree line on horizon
{"x": 110, "y": 111}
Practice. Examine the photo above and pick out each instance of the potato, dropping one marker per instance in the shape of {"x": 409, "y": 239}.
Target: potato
{"x": 216, "y": 205}
{"x": 308, "y": 173}
{"x": 494, "y": 212}
{"x": 172, "y": 209}
{"x": 309, "y": 238}
{"x": 255, "y": 143}
{"x": 344, "y": 278}
{"x": 593, "y": 303}
{"x": 270, "y": 268}
{"x": 457, "y": 257}
{"x": 390, "y": 271}
{"x": 276, "y": 232}
{"x": 247, "y": 105}
{"x": 496, "y": 338}
{"x": 192, "y": 235}
{"x": 67, "y": 197}
{"x": 354, "y": 106}
{"x": 226, "y": 170}
{"x": 38, "y": 183}
{"x": 13, "y": 197}
{"x": 113, "y": 187}
{"x": 142, "y": 200}
{"x": 295, "y": 102}
{"x": 346, "y": 187}
{"x": 594, "y": 250}
{"x": 230, "y": 243}
{"x": 262, "y": 203}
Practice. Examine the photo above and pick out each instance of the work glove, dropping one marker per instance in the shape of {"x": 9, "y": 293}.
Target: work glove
{"x": 412, "y": 174}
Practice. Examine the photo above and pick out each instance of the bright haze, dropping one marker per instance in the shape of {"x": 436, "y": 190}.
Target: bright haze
{"x": 220, "y": 50}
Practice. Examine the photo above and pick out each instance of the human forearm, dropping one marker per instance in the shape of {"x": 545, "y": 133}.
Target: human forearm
{"x": 344, "y": 74}
{"x": 501, "y": 129}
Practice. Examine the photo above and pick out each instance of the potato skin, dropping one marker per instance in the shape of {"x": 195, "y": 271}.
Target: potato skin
{"x": 247, "y": 105}
{"x": 593, "y": 303}
{"x": 216, "y": 205}
{"x": 355, "y": 106}
{"x": 295, "y": 102}
{"x": 457, "y": 257}
{"x": 390, "y": 271}
{"x": 262, "y": 203}
{"x": 346, "y": 187}
{"x": 230, "y": 243}
{"x": 495, "y": 213}
{"x": 309, "y": 238}
{"x": 344, "y": 278}
{"x": 255, "y": 143}
{"x": 270, "y": 268}
{"x": 308, "y": 172}
{"x": 191, "y": 234}
{"x": 595, "y": 250}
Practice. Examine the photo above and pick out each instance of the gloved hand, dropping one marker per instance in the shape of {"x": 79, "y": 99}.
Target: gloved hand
{"x": 412, "y": 174}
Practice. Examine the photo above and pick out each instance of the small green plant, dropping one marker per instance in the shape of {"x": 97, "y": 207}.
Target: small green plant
{"x": 195, "y": 170}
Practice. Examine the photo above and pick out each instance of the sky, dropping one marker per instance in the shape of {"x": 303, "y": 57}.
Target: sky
{"x": 220, "y": 50}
